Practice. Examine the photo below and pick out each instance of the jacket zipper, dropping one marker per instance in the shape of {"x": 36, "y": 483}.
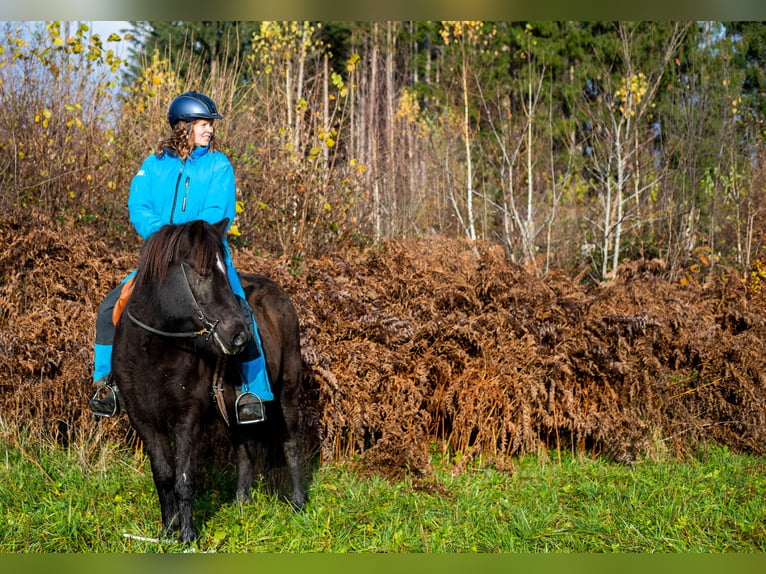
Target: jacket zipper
{"x": 175, "y": 195}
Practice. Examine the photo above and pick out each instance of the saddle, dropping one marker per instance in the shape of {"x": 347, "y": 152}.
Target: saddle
{"x": 127, "y": 290}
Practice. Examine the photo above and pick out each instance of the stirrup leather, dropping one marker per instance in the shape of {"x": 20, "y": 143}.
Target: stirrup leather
{"x": 236, "y": 408}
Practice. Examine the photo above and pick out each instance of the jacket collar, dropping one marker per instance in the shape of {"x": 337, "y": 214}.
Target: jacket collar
{"x": 198, "y": 152}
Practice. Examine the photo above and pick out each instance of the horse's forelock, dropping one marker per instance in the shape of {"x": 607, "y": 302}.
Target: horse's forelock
{"x": 206, "y": 249}
{"x": 195, "y": 241}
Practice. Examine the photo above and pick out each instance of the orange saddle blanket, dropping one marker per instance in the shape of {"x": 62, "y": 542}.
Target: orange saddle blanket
{"x": 127, "y": 289}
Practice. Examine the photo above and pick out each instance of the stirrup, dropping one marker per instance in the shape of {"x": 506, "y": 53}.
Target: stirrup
{"x": 260, "y": 403}
{"x": 115, "y": 402}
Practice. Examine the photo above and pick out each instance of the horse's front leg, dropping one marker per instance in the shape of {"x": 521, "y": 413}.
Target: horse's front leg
{"x": 160, "y": 454}
{"x": 164, "y": 479}
{"x": 245, "y": 469}
{"x": 187, "y": 440}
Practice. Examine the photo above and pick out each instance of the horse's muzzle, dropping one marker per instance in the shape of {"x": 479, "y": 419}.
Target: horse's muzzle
{"x": 241, "y": 340}
{"x": 233, "y": 347}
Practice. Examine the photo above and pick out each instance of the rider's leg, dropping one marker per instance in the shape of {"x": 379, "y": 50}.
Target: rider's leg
{"x": 108, "y": 405}
{"x": 255, "y": 387}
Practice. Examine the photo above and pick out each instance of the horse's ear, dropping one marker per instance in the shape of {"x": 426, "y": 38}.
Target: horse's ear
{"x": 220, "y": 227}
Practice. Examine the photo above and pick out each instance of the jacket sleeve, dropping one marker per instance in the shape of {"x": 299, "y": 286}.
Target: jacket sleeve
{"x": 143, "y": 212}
{"x": 222, "y": 195}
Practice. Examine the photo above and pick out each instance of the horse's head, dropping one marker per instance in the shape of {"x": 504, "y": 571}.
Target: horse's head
{"x": 183, "y": 278}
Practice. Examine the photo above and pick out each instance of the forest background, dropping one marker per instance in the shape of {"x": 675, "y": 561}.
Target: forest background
{"x": 500, "y": 237}
{"x": 574, "y": 145}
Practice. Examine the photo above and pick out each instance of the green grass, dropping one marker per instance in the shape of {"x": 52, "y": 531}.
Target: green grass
{"x": 83, "y": 498}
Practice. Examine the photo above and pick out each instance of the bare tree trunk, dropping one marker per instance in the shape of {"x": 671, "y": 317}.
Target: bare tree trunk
{"x": 325, "y": 112}
{"x": 467, "y": 140}
{"x": 390, "y": 120}
{"x": 289, "y": 92}
{"x": 619, "y": 201}
{"x": 530, "y": 231}
{"x": 363, "y": 113}
{"x": 607, "y": 225}
{"x": 352, "y": 119}
{"x": 372, "y": 123}
{"x": 299, "y": 86}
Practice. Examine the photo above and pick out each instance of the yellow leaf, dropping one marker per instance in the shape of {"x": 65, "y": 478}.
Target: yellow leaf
{"x": 240, "y": 207}
{"x": 327, "y": 207}
{"x": 71, "y": 194}
{"x": 234, "y": 230}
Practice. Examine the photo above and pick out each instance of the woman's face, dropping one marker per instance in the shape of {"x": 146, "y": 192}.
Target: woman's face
{"x": 201, "y": 133}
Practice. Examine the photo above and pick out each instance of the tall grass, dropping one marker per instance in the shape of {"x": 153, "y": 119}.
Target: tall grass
{"x": 86, "y": 497}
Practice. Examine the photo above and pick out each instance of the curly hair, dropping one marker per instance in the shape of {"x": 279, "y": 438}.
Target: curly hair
{"x": 178, "y": 141}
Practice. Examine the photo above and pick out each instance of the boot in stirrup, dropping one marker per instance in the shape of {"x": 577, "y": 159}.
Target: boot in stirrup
{"x": 109, "y": 405}
{"x": 249, "y": 408}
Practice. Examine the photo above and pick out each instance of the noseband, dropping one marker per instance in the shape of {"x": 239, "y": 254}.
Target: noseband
{"x": 208, "y": 328}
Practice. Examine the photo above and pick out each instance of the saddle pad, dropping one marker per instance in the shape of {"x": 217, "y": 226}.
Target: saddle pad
{"x": 127, "y": 289}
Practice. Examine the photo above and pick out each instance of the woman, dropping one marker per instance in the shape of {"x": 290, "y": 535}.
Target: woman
{"x": 186, "y": 179}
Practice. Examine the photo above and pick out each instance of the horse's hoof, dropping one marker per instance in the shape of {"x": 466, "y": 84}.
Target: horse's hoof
{"x": 243, "y": 497}
{"x": 298, "y": 503}
{"x": 187, "y": 536}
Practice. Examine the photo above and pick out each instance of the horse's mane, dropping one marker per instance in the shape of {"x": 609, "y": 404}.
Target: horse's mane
{"x": 196, "y": 241}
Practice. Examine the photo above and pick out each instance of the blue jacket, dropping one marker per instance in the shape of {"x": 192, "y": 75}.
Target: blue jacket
{"x": 167, "y": 190}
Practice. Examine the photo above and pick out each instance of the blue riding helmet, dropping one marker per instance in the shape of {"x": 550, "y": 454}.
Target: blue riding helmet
{"x": 192, "y": 106}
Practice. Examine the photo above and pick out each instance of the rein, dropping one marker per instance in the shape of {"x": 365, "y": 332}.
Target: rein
{"x": 207, "y": 330}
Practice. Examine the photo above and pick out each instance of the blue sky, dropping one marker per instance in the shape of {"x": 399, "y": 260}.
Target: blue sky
{"x": 105, "y": 27}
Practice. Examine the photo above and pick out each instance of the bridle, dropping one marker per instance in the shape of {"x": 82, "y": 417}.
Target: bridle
{"x": 208, "y": 327}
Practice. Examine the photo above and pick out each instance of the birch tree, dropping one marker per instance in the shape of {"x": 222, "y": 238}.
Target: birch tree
{"x": 464, "y": 35}
{"x": 618, "y": 105}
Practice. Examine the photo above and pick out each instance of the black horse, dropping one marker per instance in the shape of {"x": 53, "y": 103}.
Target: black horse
{"x": 177, "y": 341}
